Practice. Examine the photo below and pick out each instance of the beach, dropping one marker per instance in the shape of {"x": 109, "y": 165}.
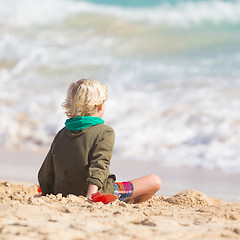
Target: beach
{"x": 189, "y": 215}
{"x": 173, "y": 78}
{"x": 176, "y": 211}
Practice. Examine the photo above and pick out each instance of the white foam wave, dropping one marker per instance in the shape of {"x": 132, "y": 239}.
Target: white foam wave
{"x": 187, "y": 13}
{"x": 30, "y": 12}
{"x": 179, "y": 128}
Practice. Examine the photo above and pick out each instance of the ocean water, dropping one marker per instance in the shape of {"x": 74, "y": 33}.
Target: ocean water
{"x": 172, "y": 70}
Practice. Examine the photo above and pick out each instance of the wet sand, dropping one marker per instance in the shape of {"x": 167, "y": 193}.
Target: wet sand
{"x": 23, "y": 166}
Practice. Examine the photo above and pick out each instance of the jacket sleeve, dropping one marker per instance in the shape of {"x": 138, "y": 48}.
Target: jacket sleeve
{"x": 46, "y": 175}
{"x": 100, "y": 158}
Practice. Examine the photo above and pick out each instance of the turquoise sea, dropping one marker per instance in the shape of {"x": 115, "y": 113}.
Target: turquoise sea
{"x": 172, "y": 69}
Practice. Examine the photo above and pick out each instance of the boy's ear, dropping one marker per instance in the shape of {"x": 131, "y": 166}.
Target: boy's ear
{"x": 100, "y": 108}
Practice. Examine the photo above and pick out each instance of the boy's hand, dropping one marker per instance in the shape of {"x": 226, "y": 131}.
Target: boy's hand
{"x": 91, "y": 190}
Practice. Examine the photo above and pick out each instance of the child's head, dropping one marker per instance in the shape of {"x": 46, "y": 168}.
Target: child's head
{"x": 84, "y": 97}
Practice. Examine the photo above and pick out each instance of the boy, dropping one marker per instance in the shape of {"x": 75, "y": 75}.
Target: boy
{"x": 79, "y": 158}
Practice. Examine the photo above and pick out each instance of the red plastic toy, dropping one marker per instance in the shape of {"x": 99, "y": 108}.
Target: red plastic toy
{"x": 104, "y": 198}
{"x": 39, "y": 189}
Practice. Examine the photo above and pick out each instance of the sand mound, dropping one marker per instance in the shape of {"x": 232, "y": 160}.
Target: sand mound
{"x": 24, "y": 194}
{"x": 9, "y": 192}
{"x": 192, "y": 198}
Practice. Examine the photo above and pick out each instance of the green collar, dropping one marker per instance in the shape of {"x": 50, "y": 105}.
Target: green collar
{"x": 82, "y": 122}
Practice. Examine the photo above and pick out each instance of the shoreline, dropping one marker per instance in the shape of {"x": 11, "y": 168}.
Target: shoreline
{"x": 23, "y": 166}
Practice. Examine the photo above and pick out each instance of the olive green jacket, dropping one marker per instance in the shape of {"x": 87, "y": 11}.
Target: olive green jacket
{"x": 76, "y": 159}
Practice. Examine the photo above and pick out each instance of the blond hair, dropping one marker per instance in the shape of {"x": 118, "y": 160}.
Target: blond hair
{"x": 83, "y": 97}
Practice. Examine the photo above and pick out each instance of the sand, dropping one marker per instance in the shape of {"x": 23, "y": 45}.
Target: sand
{"x": 189, "y": 214}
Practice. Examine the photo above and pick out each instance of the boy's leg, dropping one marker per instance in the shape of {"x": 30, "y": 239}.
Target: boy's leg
{"x": 145, "y": 187}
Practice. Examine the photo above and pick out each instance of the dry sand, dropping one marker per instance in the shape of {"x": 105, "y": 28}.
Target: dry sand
{"x": 187, "y": 215}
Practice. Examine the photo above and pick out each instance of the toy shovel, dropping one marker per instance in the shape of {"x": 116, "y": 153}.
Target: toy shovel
{"x": 104, "y": 197}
